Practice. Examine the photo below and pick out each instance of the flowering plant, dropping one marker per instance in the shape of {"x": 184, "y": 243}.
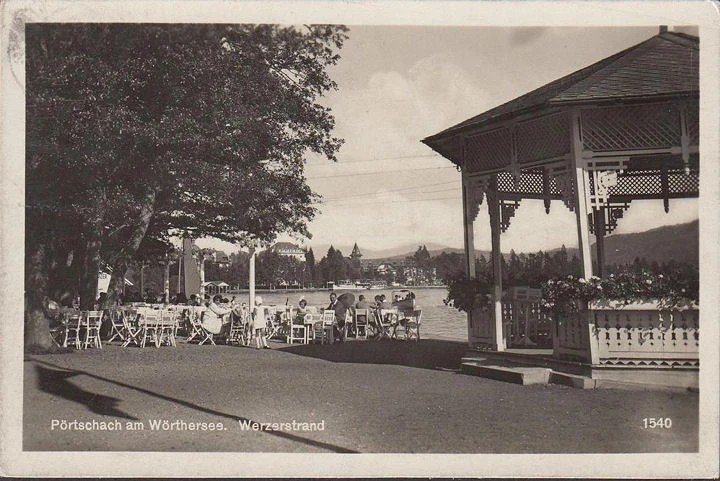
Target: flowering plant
{"x": 469, "y": 294}
{"x": 572, "y": 293}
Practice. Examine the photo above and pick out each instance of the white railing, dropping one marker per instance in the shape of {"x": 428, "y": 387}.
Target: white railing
{"x": 630, "y": 335}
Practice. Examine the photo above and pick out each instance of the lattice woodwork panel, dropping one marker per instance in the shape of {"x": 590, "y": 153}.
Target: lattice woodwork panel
{"x": 631, "y": 127}
{"x": 505, "y": 182}
{"x": 639, "y": 183}
{"x": 543, "y": 138}
{"x": 680, "y": 183}
{"x": 489, "y": 151}
{"x": 531, "y": 183}
{"x": 554, "y": 189}
{"x": 693, "y": 123}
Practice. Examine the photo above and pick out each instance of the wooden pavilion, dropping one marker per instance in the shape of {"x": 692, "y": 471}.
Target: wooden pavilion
{"x": 624, "y": 128}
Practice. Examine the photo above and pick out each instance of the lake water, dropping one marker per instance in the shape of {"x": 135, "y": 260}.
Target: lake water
{"x": 438, "y": 320}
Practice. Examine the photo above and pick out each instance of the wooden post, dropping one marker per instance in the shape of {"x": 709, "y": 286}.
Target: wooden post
{"x": 494, "y": 211}
{"x": 251, "y": 279}
{"x": 142, "y": 280}
{"x": 599, "y": 217}
{"x": 581, "y": 210}
{"x": 166, "y": 281}
{"x": 202, "y": 275}
{"x": 180, "y": 289}
{"x": 469, "y": 224}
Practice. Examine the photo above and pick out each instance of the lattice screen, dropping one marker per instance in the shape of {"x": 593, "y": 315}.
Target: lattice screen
{"x": 489, "y": 151}
{"x": 680, "y": 183}
{"x": 631, "y": 127}
{"x": 639, "y": 183}
{"x": 543, "y": 138}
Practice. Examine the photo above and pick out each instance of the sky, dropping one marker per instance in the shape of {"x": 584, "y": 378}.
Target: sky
{"x": 400, "y": 84}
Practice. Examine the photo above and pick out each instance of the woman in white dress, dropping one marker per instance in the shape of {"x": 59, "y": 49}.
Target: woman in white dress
{"x": 213, "y": 317}
{"x": 259, "y": 324}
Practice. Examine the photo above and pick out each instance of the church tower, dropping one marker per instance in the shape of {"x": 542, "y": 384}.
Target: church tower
{"x": 356, "y": 255}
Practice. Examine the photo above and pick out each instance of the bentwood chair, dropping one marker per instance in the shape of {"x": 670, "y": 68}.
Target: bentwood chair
{"x": 167, "y": 327}
{"x": 296, "y": 328}
{"x": 74, "y": 327}
{"x": 93, "y": 322}
{"x": 323, "y": 329}
{"x": 131, "y": 326}
{"x": 203, "y": 334}
{"x": 238, "y": 328}
{"x": 150, "y": 324}
{"x": 386, "y": 320}
{"x": 117, "y": 327}
{"x": 409, "y": 326}
{"x": 361, "y": 323}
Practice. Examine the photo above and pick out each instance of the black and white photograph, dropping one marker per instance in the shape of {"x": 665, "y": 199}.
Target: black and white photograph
{"x": 360, "y": 239}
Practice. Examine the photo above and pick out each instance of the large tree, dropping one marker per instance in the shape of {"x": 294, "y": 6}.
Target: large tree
{"x": 139, "y": 132}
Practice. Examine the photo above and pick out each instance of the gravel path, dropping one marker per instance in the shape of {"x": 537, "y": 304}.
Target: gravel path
{"x": 377, "y": 397}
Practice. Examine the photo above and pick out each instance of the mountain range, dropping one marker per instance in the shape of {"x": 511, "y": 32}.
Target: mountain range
{"x": 679, "y": 242}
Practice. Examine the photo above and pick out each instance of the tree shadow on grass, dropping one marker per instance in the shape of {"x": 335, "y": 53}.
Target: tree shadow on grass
{"x": 425, "y": 354}
{"x": 54, "y": 381}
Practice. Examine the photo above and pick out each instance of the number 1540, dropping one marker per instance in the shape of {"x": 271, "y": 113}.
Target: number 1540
{"x": 653, "y": 423}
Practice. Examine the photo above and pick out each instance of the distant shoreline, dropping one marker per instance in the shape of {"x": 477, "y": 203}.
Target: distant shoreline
{"x": 327, "y": 289}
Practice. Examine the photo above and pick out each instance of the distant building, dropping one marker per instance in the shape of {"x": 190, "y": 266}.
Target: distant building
{"x": 356, "y": 254}
{"x": 215, "y": 287}
{"x": 288, "y": 249}
{"x": 220, "y": 258}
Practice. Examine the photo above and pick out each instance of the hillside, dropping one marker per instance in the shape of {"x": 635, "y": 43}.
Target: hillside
{"x": 679, "y": 242}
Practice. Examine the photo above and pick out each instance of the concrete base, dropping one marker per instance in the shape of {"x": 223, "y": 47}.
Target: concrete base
{"x": 526, "y": 369}
{"x": 516, "y": 375}
{"x": 572, "y": 380}
{"x": 680, "y": 378}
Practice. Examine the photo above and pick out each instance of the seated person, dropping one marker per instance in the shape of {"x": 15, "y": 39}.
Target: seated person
{"x": 302, "y": 311}
{"x": 362, "y": 303}
{"x": 213, "y": 320}
{"x": 406, "y": 304}
{"x": 383, "y": 303}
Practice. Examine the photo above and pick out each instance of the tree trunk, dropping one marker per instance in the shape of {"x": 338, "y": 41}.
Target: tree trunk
{"x": 90, "y": 269}
{"x": 130, "y": 248}
{"x": 90, "y": 266}
{"x": 37, "y": 326}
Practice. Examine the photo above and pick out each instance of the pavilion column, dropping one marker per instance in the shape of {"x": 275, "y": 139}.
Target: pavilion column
{"x": 179, "y": 261}
{"x": 599, "y": 227}
{"x": 581, "y": 210}
{"x": 493, "y": 204}
{"x": 251, "y": 278}
{"x": 202, "y": 274}
{"x": 166, "y": 281}
{"x": 468, "y": 224}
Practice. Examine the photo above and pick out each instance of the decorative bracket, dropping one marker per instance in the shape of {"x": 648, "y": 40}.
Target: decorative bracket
{"x": 613, "y": 212}
{"x": 564, "y": 183}
{"x": 604, "y": 172}
{"x": 475, "y": 191}
{"x": 507, "y": 212}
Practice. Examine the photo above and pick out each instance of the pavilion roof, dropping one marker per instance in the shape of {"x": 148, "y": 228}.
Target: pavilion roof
{"x": 664, "y": 66}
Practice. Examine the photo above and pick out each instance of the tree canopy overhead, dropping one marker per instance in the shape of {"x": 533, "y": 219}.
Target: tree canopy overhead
{"x": 136, "y": 132}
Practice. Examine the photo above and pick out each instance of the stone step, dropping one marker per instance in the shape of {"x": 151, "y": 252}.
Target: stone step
{"x": 572, "y": 380}
{"x": 516, "y": 375}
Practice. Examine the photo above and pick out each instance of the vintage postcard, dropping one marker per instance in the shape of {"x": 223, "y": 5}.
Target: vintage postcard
{"x": 360, "y": 239}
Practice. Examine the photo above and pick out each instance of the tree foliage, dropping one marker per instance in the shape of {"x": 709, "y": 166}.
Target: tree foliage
{"x": 136, "y": 132}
